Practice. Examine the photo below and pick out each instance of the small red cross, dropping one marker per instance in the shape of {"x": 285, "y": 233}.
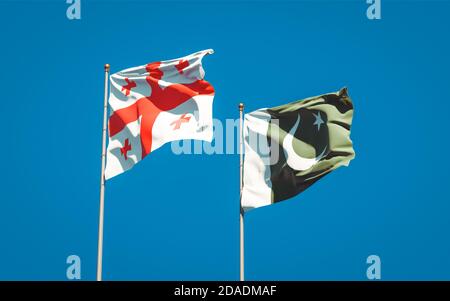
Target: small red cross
{"x": 177, "y": 123}
{"x": 130, "y": 85}
{"x": 125, "y": 149}
{"x": 181, "y": 65}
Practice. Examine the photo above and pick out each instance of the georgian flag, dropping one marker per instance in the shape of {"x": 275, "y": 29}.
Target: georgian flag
{"x": 154, "y": 104}
{"x": 290, "y": 147}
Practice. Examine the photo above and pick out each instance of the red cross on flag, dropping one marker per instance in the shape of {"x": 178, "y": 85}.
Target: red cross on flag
{"x": 154, "y": 104}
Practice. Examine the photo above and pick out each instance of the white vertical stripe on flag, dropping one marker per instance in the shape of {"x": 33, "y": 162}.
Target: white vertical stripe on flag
{"x": 257, "y": 190}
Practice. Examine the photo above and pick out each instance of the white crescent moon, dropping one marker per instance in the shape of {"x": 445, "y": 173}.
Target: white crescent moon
{"x": 295, "y": 161}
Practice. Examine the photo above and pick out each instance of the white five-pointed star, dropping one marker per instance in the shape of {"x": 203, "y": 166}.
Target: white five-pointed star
{"x": 318, "y": 121}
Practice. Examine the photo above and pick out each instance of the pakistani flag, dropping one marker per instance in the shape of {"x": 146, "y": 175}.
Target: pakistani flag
{"x": 289, "y": 147}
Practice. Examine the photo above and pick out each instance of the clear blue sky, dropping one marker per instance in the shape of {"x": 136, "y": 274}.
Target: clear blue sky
{"x": 176, "y": 217}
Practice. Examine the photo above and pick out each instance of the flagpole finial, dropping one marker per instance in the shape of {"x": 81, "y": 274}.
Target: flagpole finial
{"x": 106, "y": 67}
{"x": 241, "y": 106}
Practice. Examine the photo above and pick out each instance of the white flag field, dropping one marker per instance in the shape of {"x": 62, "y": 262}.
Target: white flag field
{"x": 154, "y": 104}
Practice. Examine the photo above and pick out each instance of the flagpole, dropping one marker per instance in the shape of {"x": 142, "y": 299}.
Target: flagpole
{"x": 241, "y": 211}
{"x": 102, "y": 180}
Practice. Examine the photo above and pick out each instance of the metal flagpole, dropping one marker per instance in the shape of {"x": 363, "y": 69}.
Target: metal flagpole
{"x": 102, "y": 180}
{"x": 241, "y": 211}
